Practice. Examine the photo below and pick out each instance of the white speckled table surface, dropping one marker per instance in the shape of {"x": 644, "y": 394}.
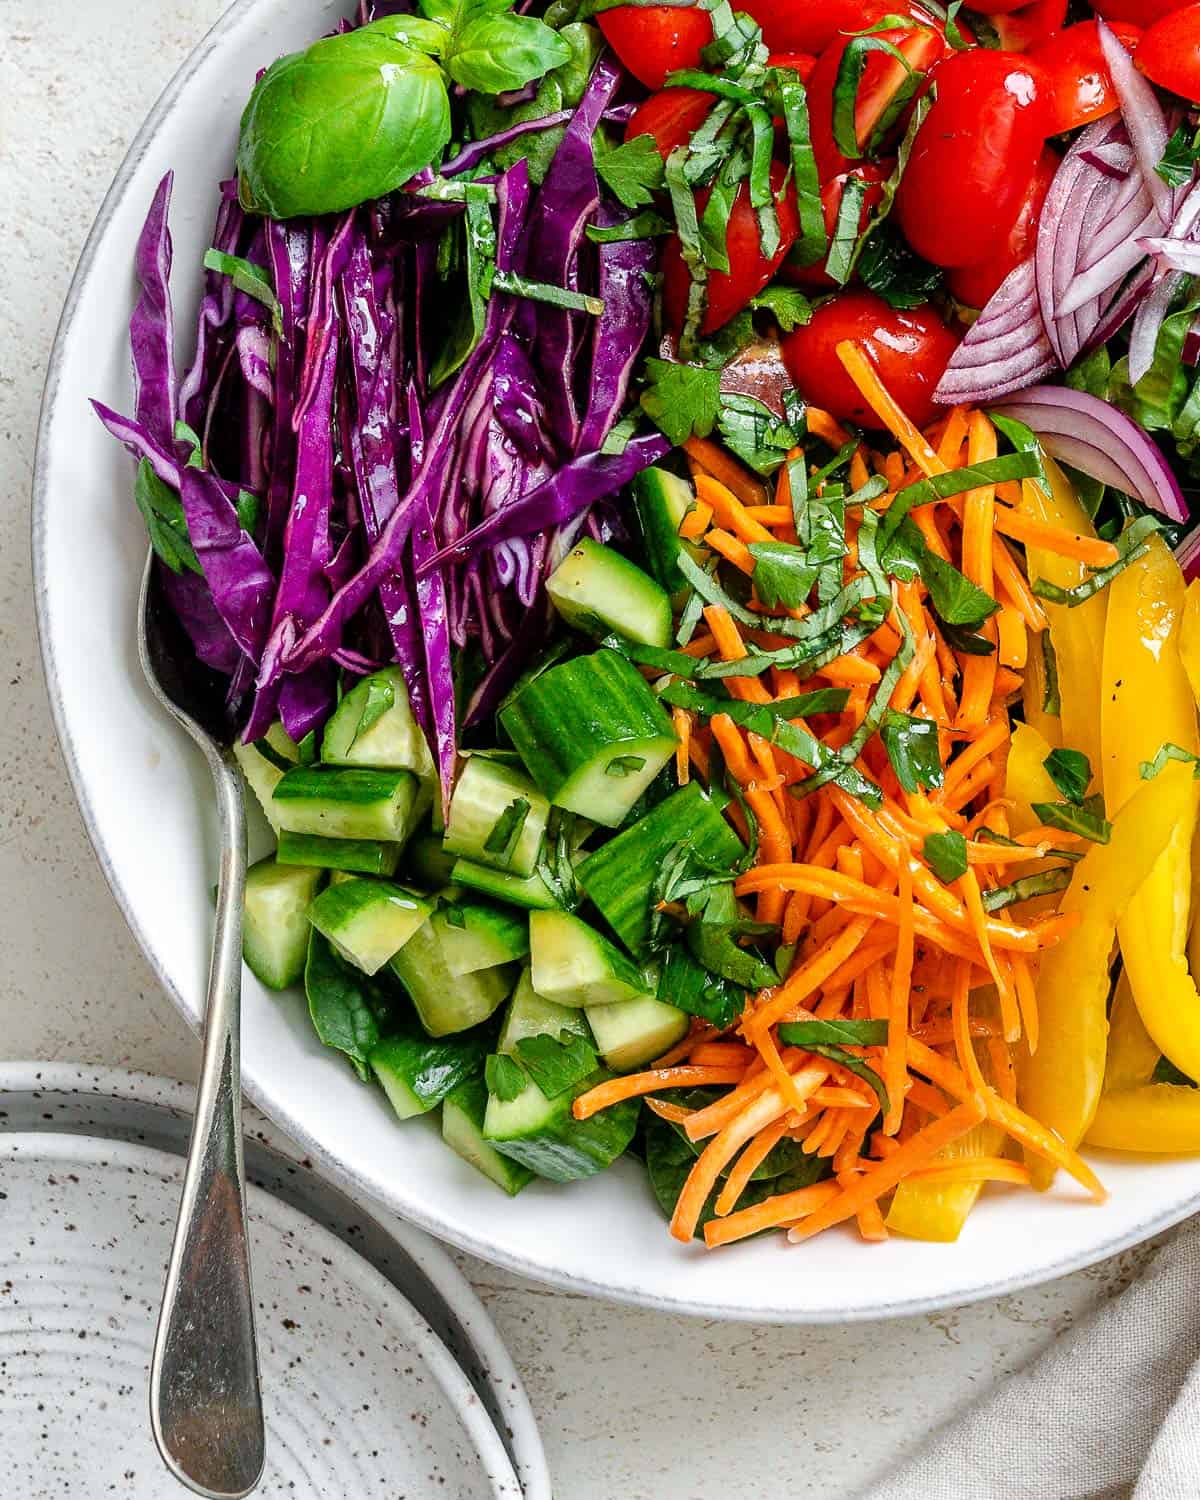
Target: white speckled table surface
{"x": 631, "y": 1403}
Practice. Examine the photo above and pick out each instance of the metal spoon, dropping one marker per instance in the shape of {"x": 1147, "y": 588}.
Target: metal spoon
{"x": 205, "y": 1398}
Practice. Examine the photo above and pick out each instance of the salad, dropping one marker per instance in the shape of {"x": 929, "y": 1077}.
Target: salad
{"x": 687, "y": 509}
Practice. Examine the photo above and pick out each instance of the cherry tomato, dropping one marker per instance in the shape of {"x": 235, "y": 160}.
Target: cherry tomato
{"x": 1083, "y": 89}
{"x": 654, "y": 40}
{"x": 1030, "y": 26}
{"x": 881, "y": 78}
{"x": 997, "y": 7}
{"x": 1169, "y": 53}
{"x": 810, "y": 25}
{"x": 874, "y": 174}
{"x": 749, "y": 269}
{"x": 670, "y": 118}
{"x": 960, "y": 193}
{"x": 974, "y": 285}
{"x": 799, "y": 62}
{"x": 909, "y": 350}
{"x": 1140, "y": 12}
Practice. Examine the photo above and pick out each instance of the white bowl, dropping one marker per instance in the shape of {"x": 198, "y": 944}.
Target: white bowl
{"x": 146, "y": 800}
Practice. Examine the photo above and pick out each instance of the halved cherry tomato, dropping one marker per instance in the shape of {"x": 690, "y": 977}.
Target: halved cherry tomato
{"x": 670, "y": 118}
{"x": 1169, "y": 53}
{"x": 910, "y": 350}
{"x": 881, "y": 78}
{"x": 1140, "y": 12}
{"x": 974, "y": 285}
{"x": 874, "y": 175}
{"x": 654, "y": 40}
{"x": 997, "y": 7}
{"x": 974, "y": 155}
{"x": 799, "y": 62}
{"x": 1083, "y": 89}
{"x": 810, "y": 25}
{"x": 1030, "y": 26}
{"x": 749, "y": 269}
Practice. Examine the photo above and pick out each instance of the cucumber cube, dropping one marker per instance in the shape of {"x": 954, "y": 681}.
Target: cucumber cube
{"x": 528, "y": 1014}
{"x": 373, "y": 725}
{"x": 597, "y": 590}
{"x": 444, "y": 1003}
{"x": 417, "y": 1072}
{"x": 497, "y": 817}
{"x": 633, "y": 1033}
{"x": 573, "y": 965}
{"x": 368, "y": 921}
{"x": 462, "y": 1130}
{"x": 358, "y": 856}
{"x": 474, "y": 936}
{"x": 349, "y": 802}
{"x": 275, "y": 921}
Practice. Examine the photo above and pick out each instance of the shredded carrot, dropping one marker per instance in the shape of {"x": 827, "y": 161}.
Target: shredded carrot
{"x": 877, "y": 397}
{"x": 894, "y": 1055}
{"x": 1030, "y": 531}
{"x": 715, "y": 461}
{"x": 696, "y": 522}
{"x": 682, "y": 721}
{"x": 782, "y": 1209}
{"x": 748, "y": 1163}
{"x": 604, "y": 1095}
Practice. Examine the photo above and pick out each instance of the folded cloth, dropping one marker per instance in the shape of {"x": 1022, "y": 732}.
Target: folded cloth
{"x": 1109, "y": 1412}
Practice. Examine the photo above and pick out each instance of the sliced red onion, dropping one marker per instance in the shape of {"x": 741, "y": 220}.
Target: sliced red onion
{"x": 1005, "y": 349}
{"x": 1111, "y": 269}
{"x": 1151, "y": 315}
{"x": 1114, "y": 160}
{"x": 1144, "y": 118}
{"x": 1187, "y": 555}
{"x": 1096, "y": 438}
{"x": 1174, "y": 255}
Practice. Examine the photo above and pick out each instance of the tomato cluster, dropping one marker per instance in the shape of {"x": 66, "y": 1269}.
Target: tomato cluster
{"x": 980, "y": 165}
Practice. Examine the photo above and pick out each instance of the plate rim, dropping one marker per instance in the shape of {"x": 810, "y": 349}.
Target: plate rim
{"x": 495, "y": 1465}
{"x": 429, "y": 1255}
{"x": 260, "y": 1092}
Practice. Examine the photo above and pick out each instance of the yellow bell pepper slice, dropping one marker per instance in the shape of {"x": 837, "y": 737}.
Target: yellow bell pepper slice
{"x": 1160, "y": 1117}
{"x": 1132, "y": 1055}
{"x": 1033, "y": 696}
{"x": 1026, "y": 779}
{"x": 1148, "y": 701}
{"x": 927, "y": 1211}
{"x": 1060, "y": 1083}
{"x": 1189, "y": 654}
{"x": 1077, "y": 634}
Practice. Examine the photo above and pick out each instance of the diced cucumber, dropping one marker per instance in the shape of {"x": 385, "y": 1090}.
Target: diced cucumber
{"x": 597, "y": 590}
{"x": 662, "y": 500}
{"x": 529, "y": 891}
{"x": 275, "y": 921}
{"x": 444, "y": 1003}
{"x": 367, "y": 921}
{"x": 262, "y": 777}
{"x": 572, "y": 964}
{"x": 543, "y": 1135}
{"x": 373, "y": 725}
{"x": 497, "y": 817}
{"x": 347, "y": 802}
{"x": 417, "y": 1073}
{"x": 475, "y": 936}
{"x": 634, "y": 1032}
{"x": 279, "y": 741}
{"x": 340, "y": 877}
{"x": 529, "y": 1014}
{"x": 592, "y": 734}
{"x": 619, "y": 877}
{"x": 428, "y": 863}
{"x": 358, "y": 856}
{"x": 463, "y": 1114}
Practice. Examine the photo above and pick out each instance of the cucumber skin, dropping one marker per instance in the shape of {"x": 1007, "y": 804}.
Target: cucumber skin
{"x": 347, "y": 802}
{"x": 463, "y": 1112}
{"x": 345, "y": 913}
{"x": 564, "y": 1149}
{"x": 657, "y": 495}
{"x": 427, "y": 1070}
{"x": 279, "y": 961}
{"x": 585, "y": 711}
{"x": 531, "y": 891}
{"x": 637, "y": 607}
{"x": 619, "y": 878}
{"x": 355, "y": 856}
{"x": 466, "y": 835}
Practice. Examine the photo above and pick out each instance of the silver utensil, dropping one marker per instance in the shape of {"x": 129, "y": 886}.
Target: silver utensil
{"x": 205, "y": 1397}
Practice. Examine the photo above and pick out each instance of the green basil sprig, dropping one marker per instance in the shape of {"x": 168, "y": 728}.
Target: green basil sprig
{"x": 354, "y": 116}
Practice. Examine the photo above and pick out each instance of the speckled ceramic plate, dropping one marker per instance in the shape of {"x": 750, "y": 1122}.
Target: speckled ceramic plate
{"x": 144, "y": 794}
{"x": 123, "y": 1107}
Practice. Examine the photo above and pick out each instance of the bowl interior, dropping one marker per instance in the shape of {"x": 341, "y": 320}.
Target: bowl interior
{"x": 146, "y": 799}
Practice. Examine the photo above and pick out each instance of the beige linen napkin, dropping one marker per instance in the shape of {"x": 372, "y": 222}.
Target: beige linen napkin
{"x": 1109, "y": 1412}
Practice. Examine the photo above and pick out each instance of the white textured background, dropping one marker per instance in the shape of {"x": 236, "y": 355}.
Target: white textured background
{"x": 633, "y": 1404}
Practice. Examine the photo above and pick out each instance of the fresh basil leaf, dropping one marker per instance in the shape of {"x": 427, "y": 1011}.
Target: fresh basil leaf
{"x": 1070, "y": 771}
{"x": 647, "y": 225}
{"x": 633, "y": 172}
{"x": 497, "y": 52}
{"x": 681, "y": 400}
{"x": 968, "y": 642}
{"x": 753, "y": 431}
{"x": 788, "y": 305}
{"x": 1091, "y": 373}
{"x": 912, "y": 747}
{"x": 904, "y": 553}
{"x": 955, "y": 482}
{"x": 792, "y": 103}
{"x": 1045, "y": 883}
{"x": 1085, "y": 821}
{"x": 1131, "y": 544}
{"x": 1165, "y": 1071}
{"x": 625, "y": 765}
{"x": 380, "y": 697}
{"x": 556, "y": 859}
{"x": 166, "y": 524}
{"x": 348, "y": 120}
{"x": 953, "y": 596}
{"x": 853, "y": 1065}
{"x": 1149, "y": 769}
{"x": 544, "y": 291}
{"x": 504, "y": 1076}
{"x": 247, "y": 507}
{"x": 247, "y": 276}
{"x": 686, "y": 984}
{"x": 783, "y": 575}
{"x": 677, "y": 662}
{"x": 834, "y": 1033}
{"x": 1023, "y": 440}
{"x": 946, "y": 855}
{"x": 846, "y": 85}
{"x": 840, "y": 261}
{"x": 556, "y": 1064}
{"x": 1179, "y": 157}
{"x": 889, "y": 268}
{"x": 345, "y": 1006}
{"x": 506, "y": 830}
{"x": 1051, "y": 698}
{"x": 426, "y": 35}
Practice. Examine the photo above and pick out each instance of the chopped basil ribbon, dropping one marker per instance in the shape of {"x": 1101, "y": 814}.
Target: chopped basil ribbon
{"x": 955, "y": 482}
{"x": 711, "y": 83}
{"x": 683, "y": 206}
{"x": 644, "y": 226}
{"x": 1131, "y": 544}
{"x": 541, "y": 291}
{"x": 1043, "y": 884}
{"x": 854, "y": 1065}
{"x": 840, "y": 261}
{"x": 946, "y": 854}
{"x": 762, "y": 199}
{"x": 1051, "y": 698}
{"x": 812, "y": 240}
{"x": 1070, "y": 771}
{"x": 845, "y": 92}
{"x": 1088, "y": 821}
{"x": 248, "y": 277}
{"x": 652, "y": 656}
{"x": 834, "y": 1033}
{"x": 1150, "y": 768}
{"x": 506, "y": 830}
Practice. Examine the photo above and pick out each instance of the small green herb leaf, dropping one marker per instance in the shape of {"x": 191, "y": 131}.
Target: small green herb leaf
{"x": 1051, "y": 698}
{"x": 380, "y": 697}
{"x": 681, "y": 400}
{"x": 1179, "y": 157}
{"x": 783, "y": 574}
{"x": 633, "y": 173}
{"x": 954, "y": 597}
{"x": 1150, "y": 768}
{"x": 755, "y": 433}
{"x": 1087, "y": 821}
{"x": 162, "y": 512}
{"x": 624, "y": 765}
{"x": 247, "y": 276}
{"x": 946, "y": 854}
{"x": 912, "y": 747}
{"x": 1070, "y": 771}
{"x": 556, "y": 1064}
{"x": 504, "y": 1077}
{"x": 892, "y": 271}
{"x": 506, "y": 830}
{"x": 789, "y": 306}
{"x": 834, "y": 1033}
{"x": 854, "y": 1065}
{"x": 1045, "y": 883}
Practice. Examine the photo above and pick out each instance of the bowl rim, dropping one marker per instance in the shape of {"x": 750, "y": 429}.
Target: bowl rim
{"x": 258, "y": 1089}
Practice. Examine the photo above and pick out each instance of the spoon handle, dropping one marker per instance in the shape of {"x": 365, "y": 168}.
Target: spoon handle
{"x": 205, "y": 1399}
